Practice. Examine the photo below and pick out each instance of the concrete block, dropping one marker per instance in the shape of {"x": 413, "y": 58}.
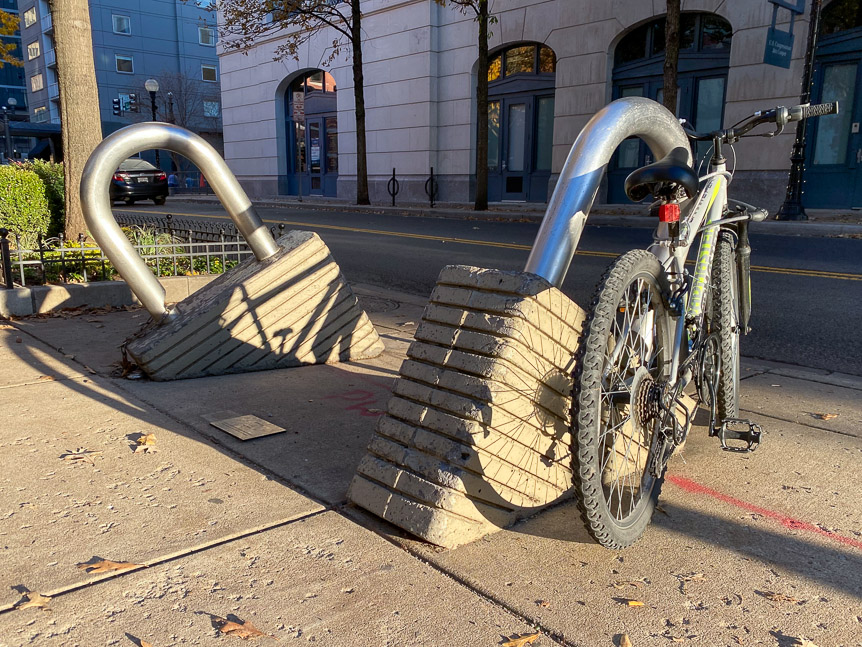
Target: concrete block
{"x": 476, "y": 435}
{"x": 16, "y": 302}
{"x": 289, "y": 310}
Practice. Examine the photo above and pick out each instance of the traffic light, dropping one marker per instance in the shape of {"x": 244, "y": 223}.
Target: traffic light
{"x": 133, "y": 102}
{"x": 118, "y": 110}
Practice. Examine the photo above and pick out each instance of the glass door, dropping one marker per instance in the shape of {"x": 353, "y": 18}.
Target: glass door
{"x": 516, "y": 158}
{"x": 314, "y": 144}
{"x": 833, "y": 172}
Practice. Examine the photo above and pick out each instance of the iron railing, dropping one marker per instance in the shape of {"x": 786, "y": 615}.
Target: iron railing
{"x": 169, "y": 246}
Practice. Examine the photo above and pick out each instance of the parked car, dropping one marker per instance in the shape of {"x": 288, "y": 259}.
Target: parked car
{"x": 137, "y": 179}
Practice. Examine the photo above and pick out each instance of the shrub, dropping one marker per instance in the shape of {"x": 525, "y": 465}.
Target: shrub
{"x": 51, "y": 174}
{"x": 23, "y": 206}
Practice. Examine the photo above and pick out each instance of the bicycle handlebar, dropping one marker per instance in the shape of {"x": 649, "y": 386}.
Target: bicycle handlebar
{"x": 780, "y": 116}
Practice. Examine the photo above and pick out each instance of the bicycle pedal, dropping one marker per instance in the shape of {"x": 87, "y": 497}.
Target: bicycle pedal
{"x": 739, "y": 429}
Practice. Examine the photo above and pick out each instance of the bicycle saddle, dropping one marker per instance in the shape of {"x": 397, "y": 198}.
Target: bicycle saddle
{"x": 673, "y": 169}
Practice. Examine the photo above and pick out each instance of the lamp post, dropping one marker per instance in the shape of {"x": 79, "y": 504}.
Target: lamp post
{"x": 152, "y": 86}
{"x": 8, "y": 135}
{"x": 792, "y": 208}
{"x": 171, "y": 119}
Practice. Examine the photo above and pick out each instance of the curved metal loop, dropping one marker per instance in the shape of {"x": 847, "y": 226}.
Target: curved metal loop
{"x": 96, "y": 202}
{"x": 579, "y": 180}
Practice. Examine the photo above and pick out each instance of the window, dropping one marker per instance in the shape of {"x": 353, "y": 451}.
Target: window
{"x": 522, "y": 59}
{"x": 30, "y": 17}
{"x": 40, "y": 114}
{"x": 206, "y": 36}
{"x": 33, "y": 50}
{"x": 211, "y": 108}
{"x": 209, "y": 73}
{"x": 37, "y": 82}
{"x": 125, "y": 64}
{"x": 122, "y": 24}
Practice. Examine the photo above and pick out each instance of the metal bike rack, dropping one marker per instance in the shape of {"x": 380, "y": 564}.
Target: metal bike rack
{"x": 96, "y": 202}
{"x": 478, "y": 431}
{"x": 579, "y": 180}
{"x": 287, "y": 306}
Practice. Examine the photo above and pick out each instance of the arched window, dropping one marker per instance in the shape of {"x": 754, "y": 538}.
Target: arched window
{"x": 312, "y": 134}
{"x": 704, "y": 56}
{"x": 520, "y": 121}
{"x": 840, "y": 15}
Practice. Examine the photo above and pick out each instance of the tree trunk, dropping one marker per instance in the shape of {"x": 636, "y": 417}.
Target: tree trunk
{"x": 481, "y": 203}
{"x": 79, "y": 101}
{"x": 671, "y": 54}
{"x": 359, "y": 99}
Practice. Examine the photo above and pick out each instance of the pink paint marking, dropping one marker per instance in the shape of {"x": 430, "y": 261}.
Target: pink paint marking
{"x": 783, "y": 519}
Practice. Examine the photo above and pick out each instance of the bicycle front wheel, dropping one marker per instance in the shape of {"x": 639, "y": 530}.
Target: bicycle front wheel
{"x": 622, "y": 368}
{"x": 723, "y": 316}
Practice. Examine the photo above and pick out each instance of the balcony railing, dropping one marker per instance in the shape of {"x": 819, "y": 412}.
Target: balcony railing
{"x": 50, "y": 58}
{"x": 53, "y": 91}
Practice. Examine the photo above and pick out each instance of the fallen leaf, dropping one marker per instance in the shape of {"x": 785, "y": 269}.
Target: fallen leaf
{"x": 824, "y": 416}
{"x": 407, "y": 323}
{"x": 144, "y": 643}
{"x": 245, "y": 630}
{"x": 46, "y": 378}
{"x": 625, "y": 641}
{"x": 106, "y": 566}
{"x": 544, "y": 604}
{"x": 777, "y": 597}
{"x": 521, "y": 640}
{"x": 81, "y": 454}
{"x": 146, "y": 444}
{"x": 89, "y": 370}
{"x": 634, "y": 603}
{"x": 33, "y": 600}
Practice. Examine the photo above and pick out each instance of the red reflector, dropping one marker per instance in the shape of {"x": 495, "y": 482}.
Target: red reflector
{"x": 161, "y": 176}
{"x": 668, "y": 212}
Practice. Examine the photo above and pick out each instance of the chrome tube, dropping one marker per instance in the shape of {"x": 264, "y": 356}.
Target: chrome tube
{"x": 576, "y": 189}
{"x": 96, "y": 202}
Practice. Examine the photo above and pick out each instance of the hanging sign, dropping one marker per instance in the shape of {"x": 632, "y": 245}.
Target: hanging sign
{"x": 796, "y": 6}
{"x": 779, "y": 44}
{"x": 299, "y": 106}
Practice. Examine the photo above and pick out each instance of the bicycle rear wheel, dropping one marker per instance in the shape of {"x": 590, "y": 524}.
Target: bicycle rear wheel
{"x": 622, "y": 367}
{"x": 723, "y": 318}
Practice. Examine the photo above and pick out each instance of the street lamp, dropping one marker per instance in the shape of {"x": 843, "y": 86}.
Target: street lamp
{"x": 12, "y": 101}
{"x": 152, "y": 86}
{"x": 171, "y": 119}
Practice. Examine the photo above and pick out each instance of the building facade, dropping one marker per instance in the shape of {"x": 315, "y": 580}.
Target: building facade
{"x": 555, "y": 63}
{"x": 12, "y": 86}
{"x": 171, "y": 41}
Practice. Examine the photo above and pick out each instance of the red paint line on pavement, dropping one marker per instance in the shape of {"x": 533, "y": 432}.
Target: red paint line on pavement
{"x": 783, "y": 519}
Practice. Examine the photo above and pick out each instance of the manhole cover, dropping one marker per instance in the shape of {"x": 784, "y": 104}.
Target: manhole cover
{"x": 376, "y": 304}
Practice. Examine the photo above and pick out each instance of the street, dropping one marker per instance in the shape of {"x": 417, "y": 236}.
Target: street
{"x": 807, "y": 291}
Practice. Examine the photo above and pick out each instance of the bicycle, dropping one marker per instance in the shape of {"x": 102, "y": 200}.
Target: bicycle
{"x": 660, "y": 341}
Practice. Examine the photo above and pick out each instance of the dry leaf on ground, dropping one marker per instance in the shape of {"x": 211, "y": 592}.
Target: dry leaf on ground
{"x": 81, "y": 454}
{"x": 144, "y": 643}
{"x": 824, "y": 416}
{"x": 33, "y": 600}
{"x": 244, "y": 630}
{"x": 520, "y": 641}
{"x": 625, "y": 641}
{"x": 544, "y": 604}
{"x": 777, "y": 597}
{"x": 146, "y": 444}
{"x": 98, "y": 565}
{"x": 634, "y": 603}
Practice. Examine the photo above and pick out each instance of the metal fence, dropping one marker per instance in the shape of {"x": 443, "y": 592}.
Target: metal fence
{"x": 169, "y": 246}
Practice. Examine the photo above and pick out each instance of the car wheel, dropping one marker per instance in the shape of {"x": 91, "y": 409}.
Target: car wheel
{"x": 159, "y": 201}
{"x": 129, "y": 201}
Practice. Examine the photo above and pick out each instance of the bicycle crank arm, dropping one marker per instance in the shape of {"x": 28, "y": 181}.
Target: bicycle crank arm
{"x": 739, "y": 429}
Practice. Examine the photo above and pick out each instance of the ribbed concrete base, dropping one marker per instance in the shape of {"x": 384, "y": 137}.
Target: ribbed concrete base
{"x": 477, "y": 431}
{"x": 292, "y": 309}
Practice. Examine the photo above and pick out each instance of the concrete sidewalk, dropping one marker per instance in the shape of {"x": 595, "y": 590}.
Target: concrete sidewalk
{"x": 823, "y": 223}
{"x": 759, "y": 549}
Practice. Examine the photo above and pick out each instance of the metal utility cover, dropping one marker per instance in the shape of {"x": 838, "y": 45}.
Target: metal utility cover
{"x": 242, "y": 427}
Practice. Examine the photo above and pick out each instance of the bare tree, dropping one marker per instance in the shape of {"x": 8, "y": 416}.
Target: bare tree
{"x": 8, "y": 27}
{"x": 671, "y": 54}
{"x": 79, "y": 97}
{"x": 479, "y": 9}
{"x": 243, "y": 22}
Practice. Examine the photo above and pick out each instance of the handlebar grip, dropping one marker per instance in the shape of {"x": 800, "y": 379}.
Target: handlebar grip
{"x": 819, "y": 110}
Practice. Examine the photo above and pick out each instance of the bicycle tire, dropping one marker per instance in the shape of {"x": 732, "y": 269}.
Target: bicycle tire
{"x": 598, "y": 403}
{"x": 723, "y": 317}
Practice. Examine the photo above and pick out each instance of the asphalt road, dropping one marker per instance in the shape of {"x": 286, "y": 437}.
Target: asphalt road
{"x": 807, "y": 292}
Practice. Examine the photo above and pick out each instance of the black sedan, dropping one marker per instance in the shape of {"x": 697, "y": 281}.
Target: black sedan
{"x": 137, "y": 179}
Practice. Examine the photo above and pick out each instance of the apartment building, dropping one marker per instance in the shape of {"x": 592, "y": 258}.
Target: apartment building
{"x": 13, "y": 90}
{"x": 555, "y": 63}
{"x": 170, "y": 41}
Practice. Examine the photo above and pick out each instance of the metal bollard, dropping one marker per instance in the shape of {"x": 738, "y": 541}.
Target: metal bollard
{"x": 393, "y": 187}
{"x": 6, "y": 259}
{"x": 431, "y": 187}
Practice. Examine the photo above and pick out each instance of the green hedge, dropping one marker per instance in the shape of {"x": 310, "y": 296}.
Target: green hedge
{"x": 51, "y": 174}
{"x": 24, "y": 208}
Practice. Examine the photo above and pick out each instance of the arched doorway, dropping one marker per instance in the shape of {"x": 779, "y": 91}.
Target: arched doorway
{"x": 704, "y": 56}
{"x": 520, "y": 122}
{"x": 833, "y": 168}
{"x": 311, "y": 138}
